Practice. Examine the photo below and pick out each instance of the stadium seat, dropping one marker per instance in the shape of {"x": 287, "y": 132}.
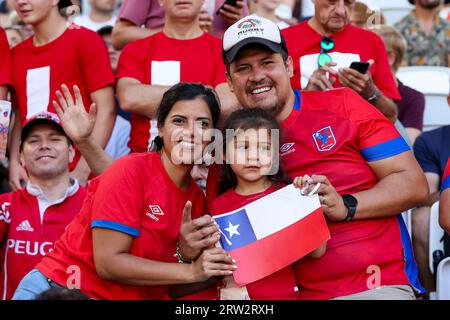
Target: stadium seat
{"x": 436, "y": 234}
{"x": 443, "y": 280}
{"x": 393, "y": 10}
{"x": 434, "y": 83}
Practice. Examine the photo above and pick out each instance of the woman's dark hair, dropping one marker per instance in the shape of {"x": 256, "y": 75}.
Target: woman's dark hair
{"x": 243, "y": 119}
{"x": 62, "y": 293}
{"x": 186, "y": 91}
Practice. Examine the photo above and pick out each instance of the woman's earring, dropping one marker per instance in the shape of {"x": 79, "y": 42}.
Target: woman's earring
{"x": 208, "y": 158}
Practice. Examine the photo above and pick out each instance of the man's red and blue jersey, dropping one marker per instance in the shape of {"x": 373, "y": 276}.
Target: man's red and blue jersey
{"x": 338, "y": 134}
{"x": 446, "y": 177}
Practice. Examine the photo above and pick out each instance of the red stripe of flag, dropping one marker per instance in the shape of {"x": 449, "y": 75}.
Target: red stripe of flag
{"x": 272, "y": 253}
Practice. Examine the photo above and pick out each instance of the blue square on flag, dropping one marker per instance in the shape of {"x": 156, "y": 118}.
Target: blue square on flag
{"x": 236, "y": 230}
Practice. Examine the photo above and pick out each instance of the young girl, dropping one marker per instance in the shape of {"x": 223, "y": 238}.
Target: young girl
{"x": 243, "y": 182}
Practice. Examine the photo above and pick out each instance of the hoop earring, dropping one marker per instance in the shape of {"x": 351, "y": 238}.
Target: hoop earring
{"x": 208, "y": 158}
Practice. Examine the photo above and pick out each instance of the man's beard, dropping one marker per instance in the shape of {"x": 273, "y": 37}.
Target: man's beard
{"x": 105, "y": 11}
{"x": 429, "y": 5}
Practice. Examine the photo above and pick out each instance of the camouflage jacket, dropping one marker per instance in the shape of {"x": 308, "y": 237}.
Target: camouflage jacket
{"x": 423, "y": 49}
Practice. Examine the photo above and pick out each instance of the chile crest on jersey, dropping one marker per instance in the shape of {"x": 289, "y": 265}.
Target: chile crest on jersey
{"x": 324, "y": 139}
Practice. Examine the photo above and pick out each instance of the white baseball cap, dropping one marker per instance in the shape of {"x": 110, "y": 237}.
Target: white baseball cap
{"x": 249, "y": 30}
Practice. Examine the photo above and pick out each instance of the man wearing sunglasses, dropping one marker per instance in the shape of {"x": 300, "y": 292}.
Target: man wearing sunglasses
{"x": 323, "y": 47}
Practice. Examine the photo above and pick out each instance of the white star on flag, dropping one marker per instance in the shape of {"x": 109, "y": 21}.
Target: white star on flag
{"x": 232, "y": 230}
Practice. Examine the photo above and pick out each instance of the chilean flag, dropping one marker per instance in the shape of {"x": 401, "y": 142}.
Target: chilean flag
{"x": 272, "y": 233}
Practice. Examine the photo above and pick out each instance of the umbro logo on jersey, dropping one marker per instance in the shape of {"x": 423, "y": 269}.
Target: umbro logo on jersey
{"x": 287, "y": 148}
{"x": 25, "y": 226}
{"x": 154, "y": 211}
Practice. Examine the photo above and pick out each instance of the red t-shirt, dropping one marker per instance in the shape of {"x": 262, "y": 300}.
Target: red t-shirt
{"x": 279, "y": 285}
{"x": 78, "y": 57}
{"x": 135, "y": 196}
{"x": 160, "y": 60}
{"x": 5, "y": 70}
{"x": 350, "y": 44}
{"x": 24, "y": 238}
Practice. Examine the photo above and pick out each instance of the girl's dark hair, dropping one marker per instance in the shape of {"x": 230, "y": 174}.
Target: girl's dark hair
{"x": 186, "y": 91}
{"x": 243, "y": 119}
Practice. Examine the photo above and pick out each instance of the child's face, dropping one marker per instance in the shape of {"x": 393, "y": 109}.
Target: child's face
{"x": 250, "y": 154}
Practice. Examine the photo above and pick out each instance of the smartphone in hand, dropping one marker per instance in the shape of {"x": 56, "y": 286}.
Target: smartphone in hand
{"x": 361, "y": 67}
{"x": 229, "y": 2}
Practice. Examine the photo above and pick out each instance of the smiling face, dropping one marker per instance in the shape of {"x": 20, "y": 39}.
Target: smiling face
{"x": 46, "y": 152}
{"x": 184, "y": 131}
{"x": 35, "y": 11}
{"x": 260, "y": 78}
{"x": 333, "y": 15}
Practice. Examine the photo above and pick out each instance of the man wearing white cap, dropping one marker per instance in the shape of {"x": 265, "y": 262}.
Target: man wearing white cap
{"x": 365, "y": 168}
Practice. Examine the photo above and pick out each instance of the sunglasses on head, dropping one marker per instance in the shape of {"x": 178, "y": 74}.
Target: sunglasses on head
{"x": 326, "y": 44}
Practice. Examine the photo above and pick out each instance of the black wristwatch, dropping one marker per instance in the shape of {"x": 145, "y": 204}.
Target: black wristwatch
{"x": 351, "y": 203}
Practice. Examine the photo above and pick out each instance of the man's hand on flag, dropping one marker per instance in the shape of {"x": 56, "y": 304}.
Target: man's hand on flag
{"x": 331, "y": 201}
{"x": 306, "y": 185}
{"x": 196, "y": 234}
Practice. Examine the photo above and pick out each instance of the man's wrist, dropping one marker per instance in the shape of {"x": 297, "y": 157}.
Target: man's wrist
{"x": 373, "y": 98}
{"x": 350, "y": 203}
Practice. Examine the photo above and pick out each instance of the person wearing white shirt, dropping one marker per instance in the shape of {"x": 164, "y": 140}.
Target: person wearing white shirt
{"x": 102, "y": 13}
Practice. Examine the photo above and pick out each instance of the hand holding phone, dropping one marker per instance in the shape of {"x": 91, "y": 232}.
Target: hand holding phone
{"x": 229, "y": 2}
{"x": 360, "y": 66}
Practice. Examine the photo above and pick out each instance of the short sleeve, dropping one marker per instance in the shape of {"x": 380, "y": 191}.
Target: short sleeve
{"x": 5, "y": 62}
{"x": 378, "y": 138}
{"x": 135, "y": 11}
{"x": 131, "y": 62}
{"x": 425, "y": 155}
{"x": 118, "y": 202}
{"x": 95, "y": 63}
{"x": 220, "y": 70}
{"x": 382, "y": 76}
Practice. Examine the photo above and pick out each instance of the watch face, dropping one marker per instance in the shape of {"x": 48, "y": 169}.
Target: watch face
{"x": 350, "y": 200}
